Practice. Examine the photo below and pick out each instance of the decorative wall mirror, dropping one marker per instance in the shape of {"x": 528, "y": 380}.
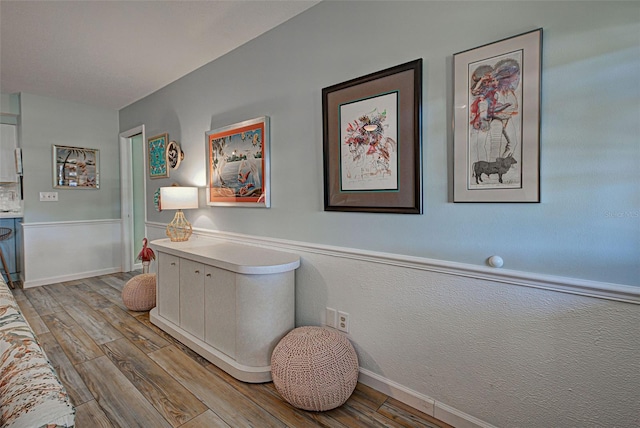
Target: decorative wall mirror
{"x": 174, "y": 155}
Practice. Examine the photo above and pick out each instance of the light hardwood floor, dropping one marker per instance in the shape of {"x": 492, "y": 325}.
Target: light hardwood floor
{"x": 122, "y": 371}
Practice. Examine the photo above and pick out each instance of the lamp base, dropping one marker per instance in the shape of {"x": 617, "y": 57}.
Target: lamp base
{"x": 179, "y": 229}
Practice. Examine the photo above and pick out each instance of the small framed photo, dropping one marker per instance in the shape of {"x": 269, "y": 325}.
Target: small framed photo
{"x": 238, "y": 164}
{"x": 157, "y": 153}
{"x": 76, "y": 168}
{"x": 372, "y": 136}
{"x": 496, "y": 138}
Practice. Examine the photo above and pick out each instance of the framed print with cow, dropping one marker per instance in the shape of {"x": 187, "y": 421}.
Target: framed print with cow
{"x": 372, "y": 136}
{"x": 496, "y": 136}
{"x": 238, "y": 166}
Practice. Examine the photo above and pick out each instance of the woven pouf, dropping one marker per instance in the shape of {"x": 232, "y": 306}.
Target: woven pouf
{"x": 314, "y": 368}
{"x": 139, "y": 293}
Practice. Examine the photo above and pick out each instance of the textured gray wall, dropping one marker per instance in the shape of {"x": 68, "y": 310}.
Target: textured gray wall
{"x": 588, "y": 223}
{"x": 46, "y": 121}
{"x": 509, "y": 355}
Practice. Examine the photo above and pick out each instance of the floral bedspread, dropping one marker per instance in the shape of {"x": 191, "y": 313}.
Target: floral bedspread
{"x": 31, "y": 395}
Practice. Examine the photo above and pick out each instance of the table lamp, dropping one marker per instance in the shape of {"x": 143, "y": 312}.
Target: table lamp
{"x": 179, "y": 198}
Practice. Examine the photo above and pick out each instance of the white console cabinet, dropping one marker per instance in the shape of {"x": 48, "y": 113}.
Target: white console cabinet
{"x": 231, "y": 303}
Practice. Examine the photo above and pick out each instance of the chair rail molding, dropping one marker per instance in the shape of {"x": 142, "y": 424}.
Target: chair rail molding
{"x": 582, "y": 287}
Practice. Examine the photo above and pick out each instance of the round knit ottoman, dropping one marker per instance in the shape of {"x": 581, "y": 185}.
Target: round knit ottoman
{"x": 139, "y": 293}
{"x": 314, "y": 368}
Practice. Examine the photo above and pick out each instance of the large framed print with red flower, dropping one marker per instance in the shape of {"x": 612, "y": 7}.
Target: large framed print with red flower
{"x": 372, "y": 136}
{"x": 496, "y": 100}
{"x": 238, "y": 166}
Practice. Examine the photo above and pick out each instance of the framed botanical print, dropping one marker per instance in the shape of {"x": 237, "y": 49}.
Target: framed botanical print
{"x": 157, "y": 153}
{"x": 372, "y": 137}
{"x": 496, "y": 114}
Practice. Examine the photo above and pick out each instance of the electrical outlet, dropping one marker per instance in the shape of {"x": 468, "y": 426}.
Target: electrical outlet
{"x": 331, "y": 318}
{"x": 343, "y": 321}
{"x": 48, "y": 196}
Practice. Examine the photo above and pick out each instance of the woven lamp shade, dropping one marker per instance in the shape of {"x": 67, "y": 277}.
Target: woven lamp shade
{"x": 314, "y": 368}
{"x": 139, "y": 293}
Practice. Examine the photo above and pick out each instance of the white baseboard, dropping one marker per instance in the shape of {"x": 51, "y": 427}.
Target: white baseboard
{"x": 72, "y": 277}
{"x": 399, "y": 392}
{"x": 457, "y": 418}
{"x": 420, "y": 402}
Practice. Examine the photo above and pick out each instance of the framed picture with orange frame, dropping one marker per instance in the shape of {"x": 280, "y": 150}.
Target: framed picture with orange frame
{"x": 238, "y": 164}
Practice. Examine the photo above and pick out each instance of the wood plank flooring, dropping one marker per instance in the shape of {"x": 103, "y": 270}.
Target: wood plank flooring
{"x": 122, "y": 371}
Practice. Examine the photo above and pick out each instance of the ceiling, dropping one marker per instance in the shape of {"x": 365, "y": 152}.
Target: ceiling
{"x": 113, "y": 53}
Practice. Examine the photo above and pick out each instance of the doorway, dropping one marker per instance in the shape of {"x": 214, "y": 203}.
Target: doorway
{"x": 132, "y": 194}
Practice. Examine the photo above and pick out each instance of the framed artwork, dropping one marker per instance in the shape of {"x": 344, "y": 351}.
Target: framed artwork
{"x": 372, "y": 136}
{"x": 157, "y": 152}
{"x": 496, "y": 136}
{"x": 76, "y": 168}
{"x": 238, "y": 166}
{"x": 156, "y": 200}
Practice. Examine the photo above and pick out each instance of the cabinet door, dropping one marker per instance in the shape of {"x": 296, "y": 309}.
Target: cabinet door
{"x": 168, "y": 292}
{"x": 192, "y": 297}
{"x": 220, "y": 312}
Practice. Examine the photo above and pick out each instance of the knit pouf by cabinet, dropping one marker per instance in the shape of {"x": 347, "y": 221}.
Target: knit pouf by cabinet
{"x": 139, "y": 293}
{"x": 314, "y": 368}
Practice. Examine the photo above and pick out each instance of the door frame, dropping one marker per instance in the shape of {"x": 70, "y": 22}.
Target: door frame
{"x": 126, "y": 195}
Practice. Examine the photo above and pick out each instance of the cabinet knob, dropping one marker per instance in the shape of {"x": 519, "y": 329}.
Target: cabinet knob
{"x": 208, "y": 275}
{"x": 197, "y": 271}
{"x": 173, "y": 263}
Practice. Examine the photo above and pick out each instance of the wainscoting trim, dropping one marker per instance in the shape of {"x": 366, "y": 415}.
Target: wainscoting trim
{"x": 47, "y": 224}
{"x": 601, "y": 290}
{"x": 60, "y": 251}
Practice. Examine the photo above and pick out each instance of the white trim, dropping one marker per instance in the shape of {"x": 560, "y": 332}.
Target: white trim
{"x": 74, "y": 277}
{"x": 46, "y": 224}
{"x": 126, "y": 193}
{"x": 582, "y": 287}
{"x": 394, "y": 390}
{"x": 420, "y": 402}
{"x": 457, "y": 418}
